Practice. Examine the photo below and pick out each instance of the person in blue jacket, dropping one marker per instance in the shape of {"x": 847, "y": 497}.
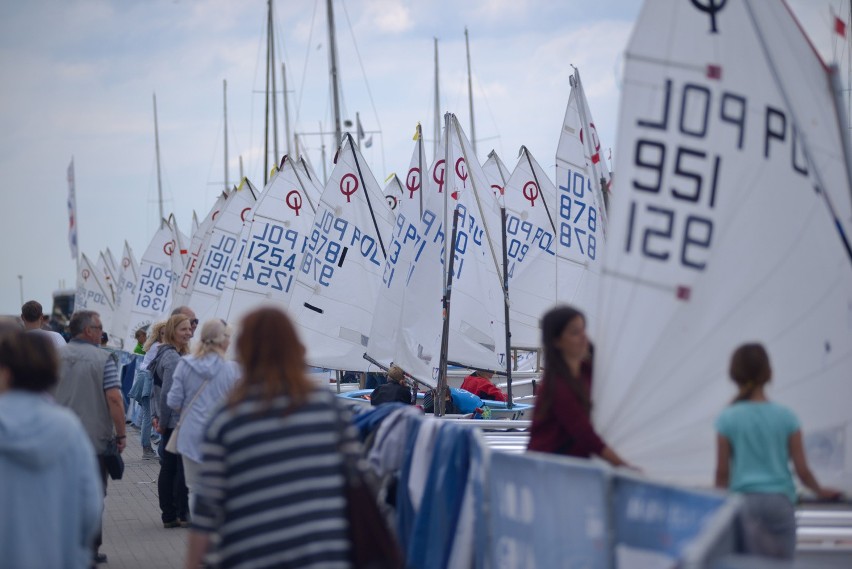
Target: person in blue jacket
{"x": 51, "y": 492}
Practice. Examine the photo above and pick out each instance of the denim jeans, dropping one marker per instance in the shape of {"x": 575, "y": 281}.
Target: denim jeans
{"x": 145, "y": 421}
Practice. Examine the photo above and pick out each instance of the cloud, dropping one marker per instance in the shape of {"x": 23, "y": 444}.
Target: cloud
{"x": 389, "y": 16}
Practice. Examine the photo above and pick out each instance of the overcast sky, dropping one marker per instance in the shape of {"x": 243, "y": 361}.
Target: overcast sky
{"x": 78, "y": 78}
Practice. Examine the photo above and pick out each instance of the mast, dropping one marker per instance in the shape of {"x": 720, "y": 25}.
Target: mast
{"x": 470, "y": 93}
{"x": 332, "y": 49}
{"x": 225, "y": 99}
{"x": 420, "y": 166}
{"x": 447, "y": 280}
{"x": 509, "y": 401}
{"x": 437, "y": 110}
{"x": 157, "y": 148}
{"x": 271, "y": 94}
{"x": 266, "y": 114}
{"x": 286, "y": 108}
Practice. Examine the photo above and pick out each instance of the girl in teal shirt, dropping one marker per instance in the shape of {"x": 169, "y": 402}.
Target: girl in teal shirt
{"x": 756, "y": 439}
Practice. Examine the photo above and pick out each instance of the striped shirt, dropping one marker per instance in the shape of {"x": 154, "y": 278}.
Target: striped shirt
{"x": 272, "y": 484}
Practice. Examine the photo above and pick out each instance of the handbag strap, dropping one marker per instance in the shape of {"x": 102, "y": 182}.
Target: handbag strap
{"x": 185, "y": 412}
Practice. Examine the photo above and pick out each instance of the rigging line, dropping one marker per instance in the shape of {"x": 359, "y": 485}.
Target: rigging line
{"x": 366, "y": 83}
{"x": 302, "y": 184}
{"x": 251, "y": 115}
{"x": 478, "y": 205}
{"x": 490, "y": 113}
{"x": 526, "y": 152}
{"x": 308, "y": 49}
{"x": 348, "y": 136}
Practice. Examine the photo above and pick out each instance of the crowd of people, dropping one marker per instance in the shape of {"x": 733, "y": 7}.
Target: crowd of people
{"x": 252, "y": 455}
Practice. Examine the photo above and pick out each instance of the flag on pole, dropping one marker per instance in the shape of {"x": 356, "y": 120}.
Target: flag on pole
{"x": 72, "y": 212}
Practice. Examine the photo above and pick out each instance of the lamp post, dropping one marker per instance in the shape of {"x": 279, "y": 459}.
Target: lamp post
{"x": 21, "y": 287}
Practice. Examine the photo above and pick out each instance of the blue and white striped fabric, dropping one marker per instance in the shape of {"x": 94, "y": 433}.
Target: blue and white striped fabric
{"x": 272, "y": 484}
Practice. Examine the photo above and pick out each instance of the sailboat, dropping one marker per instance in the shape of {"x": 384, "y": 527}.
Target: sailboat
{"x": 92, "y": 292}
{"x": 125, "y": 295}
{"x": 338, "y": 279}
{"x": 277, "y": 231}
{"x": 220, "y": 251}
{"x": 730, "y": 223}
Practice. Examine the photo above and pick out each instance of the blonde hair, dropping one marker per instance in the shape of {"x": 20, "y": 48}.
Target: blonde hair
{"x": 154, "y": 336}
{"x": 396, "y": 374}
{"x": 214, "y": 334}
{"x": 170, "y": 333}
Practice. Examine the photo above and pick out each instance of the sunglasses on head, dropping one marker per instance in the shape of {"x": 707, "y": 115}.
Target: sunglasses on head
{"x": 194, "y": 321}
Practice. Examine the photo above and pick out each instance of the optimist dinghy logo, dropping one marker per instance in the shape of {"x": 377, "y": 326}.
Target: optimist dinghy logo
{"x": 711, "y": 7}
{"x": 412, "y": 181}
{"x": 348, "y": 186}
{"x": 294, "y": 201}
{"x": 531, "y": 192}
{"x": 169, "y": 247}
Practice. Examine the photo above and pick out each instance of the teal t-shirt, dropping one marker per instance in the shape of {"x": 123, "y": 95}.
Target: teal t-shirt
{"x": 759, "y": 435}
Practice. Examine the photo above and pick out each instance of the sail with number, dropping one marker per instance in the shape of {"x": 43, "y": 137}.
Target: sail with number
{"x": 221, "y": 251}
{"x": 727, "y": 227}
{"x": 276, "y": 234}
{"x": 579, "y": 210}
{"x": 476, "y": 336}
{"x": 92, "y": 292}
{"x": 125, "y": 295}
{"x": 155, "y": 283}
{"x": 531, "y": 245}
{"x": 335, "y": 291}
{"x": 186, "y": 278}
{"x": 419, "y": 269}
{"x": 403, "y": 242}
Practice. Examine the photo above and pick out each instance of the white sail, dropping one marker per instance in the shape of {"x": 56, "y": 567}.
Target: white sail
{"x": 125, "y": 295}
{"x": 418, "y": 339}
{"x": 111, "y": 262}
{"x": 92, "y": 293}
{"x": 477, "y": 321}
{"x": 335, "y": 291}
{"x": 720, "y": 233}
{"x": 154, "y": 285}
{"x": 106, "y": 275}
{"x": 497, "y": 175}
{"x": 404, "y": 239}
{"x": 393, "y": 193}
{"x": 531, "y": 242}
{"x": 179, "y": 246}
{"x": 194, "y": 223}
{"x": 280, "y": 224}
{"x": 476, "y": 328}
{"x": 578, "y": 208}
{"x": 221, "y": 251}
{"x": 186, "y": 279}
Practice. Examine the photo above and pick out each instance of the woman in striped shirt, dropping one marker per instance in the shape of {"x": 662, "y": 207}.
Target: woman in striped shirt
{"x": 271, "y": 490}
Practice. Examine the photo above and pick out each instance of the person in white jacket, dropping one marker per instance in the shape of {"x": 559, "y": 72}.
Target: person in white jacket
{"x": 201, "y": 383}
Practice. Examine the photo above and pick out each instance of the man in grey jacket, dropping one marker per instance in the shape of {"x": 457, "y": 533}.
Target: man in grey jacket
{"x": 89, "y": 385}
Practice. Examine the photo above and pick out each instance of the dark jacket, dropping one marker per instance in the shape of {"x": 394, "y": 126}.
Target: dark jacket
{"x": 391, "y": 392}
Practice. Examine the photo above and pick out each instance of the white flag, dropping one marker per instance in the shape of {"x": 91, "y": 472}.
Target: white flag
{"x": 72, "y": 212}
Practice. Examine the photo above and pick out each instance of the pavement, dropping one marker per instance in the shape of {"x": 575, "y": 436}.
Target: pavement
{"x": 133, "y": 535}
